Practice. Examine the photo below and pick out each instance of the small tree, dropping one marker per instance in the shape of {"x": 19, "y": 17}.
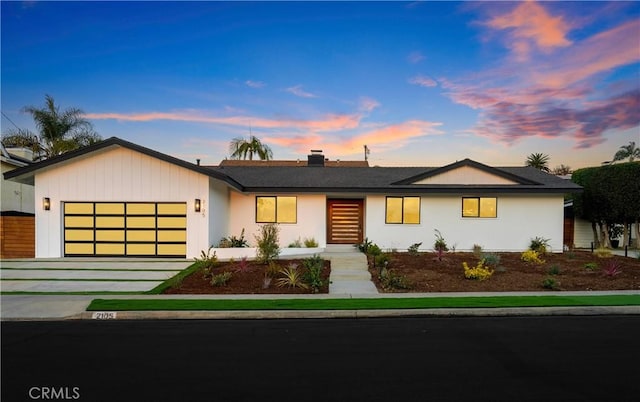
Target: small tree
{"x": 268, "y": 243}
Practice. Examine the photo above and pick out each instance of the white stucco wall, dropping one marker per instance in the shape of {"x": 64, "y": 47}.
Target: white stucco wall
{"x": 311, "y": 218}
{"x": 16, "y": 196}
{"x": 119, "y": 174}
{"x": 520, "y": 218}
{"x": 219, "y": 212}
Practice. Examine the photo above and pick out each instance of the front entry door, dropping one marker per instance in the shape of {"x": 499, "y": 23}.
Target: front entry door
{"x": 344, "y": 221}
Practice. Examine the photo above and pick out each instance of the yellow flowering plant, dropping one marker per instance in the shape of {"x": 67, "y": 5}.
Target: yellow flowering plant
{"x": 479, "y": 272}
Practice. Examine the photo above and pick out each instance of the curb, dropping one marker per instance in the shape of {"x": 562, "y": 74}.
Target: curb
{"x": 318, "y": 314}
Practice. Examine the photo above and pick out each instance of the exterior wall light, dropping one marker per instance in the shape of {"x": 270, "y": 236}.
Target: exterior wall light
{"x": 46, "y": 203}
{"x": 197, "y": 205}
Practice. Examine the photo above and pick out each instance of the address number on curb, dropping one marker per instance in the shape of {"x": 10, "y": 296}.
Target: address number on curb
{"x": 104, "y": 315}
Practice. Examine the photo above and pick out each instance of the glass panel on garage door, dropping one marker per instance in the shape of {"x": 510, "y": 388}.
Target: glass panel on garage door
{"x": 140, "y": 229}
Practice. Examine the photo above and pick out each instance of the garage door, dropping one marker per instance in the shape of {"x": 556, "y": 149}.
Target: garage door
{"x": 135, "y": 229}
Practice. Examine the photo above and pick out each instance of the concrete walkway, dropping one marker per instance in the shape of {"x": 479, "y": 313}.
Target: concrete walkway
{"x": 349, "y": 273}
{"x": 86, "y": 275}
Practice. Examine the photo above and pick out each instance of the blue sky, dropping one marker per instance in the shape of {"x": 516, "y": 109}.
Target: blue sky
{"x": 421, "y": 84}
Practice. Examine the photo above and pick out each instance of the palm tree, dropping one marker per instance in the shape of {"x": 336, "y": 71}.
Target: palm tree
{"x": 627, "y": 151}
{"x": 538, "y": 161}
{"x": 58, "y": 132}
{"x": 241, "y": 147}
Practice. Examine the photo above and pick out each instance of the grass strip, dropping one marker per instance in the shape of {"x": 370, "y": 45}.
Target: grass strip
{"x": 174, "y": 280}
{"x": 360, "y": 304}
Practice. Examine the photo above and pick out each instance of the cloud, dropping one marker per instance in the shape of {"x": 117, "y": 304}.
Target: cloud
{"x": 382, "y": 139}
{"x": 415, "y": 57}
{"x": 298, "y": 91}
{"x": 329, "y": 122}
{"x": 530, "y": 25}
{"x": 423, "y": 81}
{"x": 560, "y": 91}
{"x": 255, "y": 84}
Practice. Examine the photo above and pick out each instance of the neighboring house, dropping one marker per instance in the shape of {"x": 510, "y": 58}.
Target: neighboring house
{"x": 118, "y": 198}
{"x": 17, "y": 234}
{"x": 578, "y": 232}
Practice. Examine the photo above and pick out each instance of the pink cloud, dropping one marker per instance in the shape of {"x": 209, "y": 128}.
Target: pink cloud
{"x": 384, "y": 138}
{"x": 423, "y": 81}
{"x": 530, "y": 24}
{"x": 329, "y": 122}
{"x": 598, "y": 54}
{"x": 558, "y": 93}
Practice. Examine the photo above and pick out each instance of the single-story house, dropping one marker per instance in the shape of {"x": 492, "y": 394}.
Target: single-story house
{"x": 116, "y": 198}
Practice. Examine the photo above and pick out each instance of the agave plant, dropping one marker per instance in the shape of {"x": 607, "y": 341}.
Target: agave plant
{"x": 291, "y": 277}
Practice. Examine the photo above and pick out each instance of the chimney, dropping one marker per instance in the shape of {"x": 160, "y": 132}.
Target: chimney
{"x": 198, "y": 162}
{"x": 316, "y": 158}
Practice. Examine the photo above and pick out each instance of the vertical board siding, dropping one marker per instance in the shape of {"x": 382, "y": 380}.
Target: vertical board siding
{"x": 119, "y": 175}
{"x": 17, "y": 237}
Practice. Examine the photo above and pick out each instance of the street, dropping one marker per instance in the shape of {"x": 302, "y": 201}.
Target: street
{"x": 554, "y": 358}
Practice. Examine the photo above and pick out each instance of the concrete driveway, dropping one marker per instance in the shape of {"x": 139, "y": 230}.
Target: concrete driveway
{"x": 87, "y": 274}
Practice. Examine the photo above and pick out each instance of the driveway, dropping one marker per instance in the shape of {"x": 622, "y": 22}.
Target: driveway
{"x": 87, "y": 275}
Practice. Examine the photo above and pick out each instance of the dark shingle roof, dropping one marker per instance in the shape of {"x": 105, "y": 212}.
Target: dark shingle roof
{"x": 312, "y": 179}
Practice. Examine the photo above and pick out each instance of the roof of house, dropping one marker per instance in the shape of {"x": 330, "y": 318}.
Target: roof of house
{"x": 291, "y": 163}
{"x": 344, "y": 179}
{"x": 13, "y": 159}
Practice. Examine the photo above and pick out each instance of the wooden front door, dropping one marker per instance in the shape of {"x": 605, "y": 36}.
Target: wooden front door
{"x": 344, "y": 221}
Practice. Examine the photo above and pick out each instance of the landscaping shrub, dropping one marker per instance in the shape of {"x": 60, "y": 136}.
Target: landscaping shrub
{"x": 440, "y": 244}
{"x": 539, "y": 244}
{"x": 591, "y": 266}
{"x": 243, "y": 265}
{"x": 491, "y": 259}
{"x": 381, "y": 260}
{"x": 310, "y": 242}
{"x": 390, "y": 280}
{"x": 413, "y": 249}
{"x": 267, "y": 240}
{"x": 221, "y": 279}
{"x": 313, "y": 272}
{"x": 603, "y": 253}
{"x": 233, "y": 241}
{"x": 479, "y": 272}
{"x": 207, "y": 262}
{"x": 554, "y": 270}
{"x": 531, "y": 256}
{"x": 477, "y": 251}
{"x": 550, "y": 283}
{"x": 364, "y": 246}
{"x": 296, "y": 243}
{"x": 612, "y": 268}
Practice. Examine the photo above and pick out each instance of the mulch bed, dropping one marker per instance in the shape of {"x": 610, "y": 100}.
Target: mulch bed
{"x": 248, "y": 281}
{"x": 426, "y": 274}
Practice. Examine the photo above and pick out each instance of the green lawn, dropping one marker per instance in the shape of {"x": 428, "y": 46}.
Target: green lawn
{"x": 361, "y": 304}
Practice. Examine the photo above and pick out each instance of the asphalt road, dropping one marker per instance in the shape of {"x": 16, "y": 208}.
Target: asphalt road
{"x": 399, "y": 359}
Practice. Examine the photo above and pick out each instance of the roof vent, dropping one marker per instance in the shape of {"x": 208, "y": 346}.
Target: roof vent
{"x": 315, "y": 158}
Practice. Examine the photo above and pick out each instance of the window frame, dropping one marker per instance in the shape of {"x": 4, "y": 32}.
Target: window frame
{"x": 402, "y": 222}
{"x": 479, "y": 201}
{"x": 276, "y": 220}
